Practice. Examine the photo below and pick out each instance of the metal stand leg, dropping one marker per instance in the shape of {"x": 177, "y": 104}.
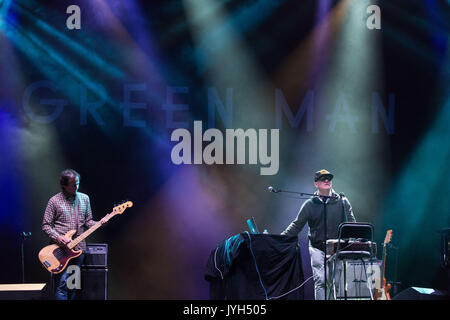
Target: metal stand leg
{"x": 345, "y": 279}
{"x": 333, "y": 278}
{"x": 23, "y": 261}
{"x": 51, "y": 284}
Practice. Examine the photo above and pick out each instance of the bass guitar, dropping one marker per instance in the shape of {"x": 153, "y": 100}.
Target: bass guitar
{"x": 55, "y": 258}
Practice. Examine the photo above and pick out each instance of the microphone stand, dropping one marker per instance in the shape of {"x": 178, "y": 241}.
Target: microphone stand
{"x": 23, "y": 237}
{"x": 325, "y": 198}
{"x": 271, "y": 189}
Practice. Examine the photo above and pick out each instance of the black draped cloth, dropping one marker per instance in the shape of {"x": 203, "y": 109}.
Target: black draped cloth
{"x": 254, "y": 267}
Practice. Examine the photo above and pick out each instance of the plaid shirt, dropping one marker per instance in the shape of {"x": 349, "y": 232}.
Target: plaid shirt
{"x": 61, "y": 216}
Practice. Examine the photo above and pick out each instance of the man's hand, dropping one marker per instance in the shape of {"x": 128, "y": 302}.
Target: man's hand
{"x": 62, "y": 240}
{"x": 104, "y": 220}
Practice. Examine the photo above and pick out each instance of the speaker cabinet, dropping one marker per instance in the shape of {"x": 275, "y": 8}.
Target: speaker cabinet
{"x": 96, "y": 255}
{"x": 94, "y": 284}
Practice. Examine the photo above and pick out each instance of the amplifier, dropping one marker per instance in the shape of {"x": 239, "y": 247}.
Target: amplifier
{"x": 94, "y": 284}
{"x": 96, "y": 255}
{"x": 360, "y": 279}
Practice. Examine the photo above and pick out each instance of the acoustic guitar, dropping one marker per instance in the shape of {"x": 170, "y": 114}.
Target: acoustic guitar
{"x": 55, "y": 258}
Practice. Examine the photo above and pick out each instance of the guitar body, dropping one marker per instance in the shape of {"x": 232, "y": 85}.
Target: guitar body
{"x": 383, "y": 293}
{"x": 386, "y": 289}
{"x": 55, "y": 258}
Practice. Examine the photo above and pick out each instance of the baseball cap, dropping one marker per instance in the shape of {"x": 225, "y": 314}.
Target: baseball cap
{"x": 321, "y": 173}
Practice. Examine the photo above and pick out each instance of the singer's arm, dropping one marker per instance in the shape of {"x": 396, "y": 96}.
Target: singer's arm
{"x": 349, "y": 211}
{"x": 297, "y": 225}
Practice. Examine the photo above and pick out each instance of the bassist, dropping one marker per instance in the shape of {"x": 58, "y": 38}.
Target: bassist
{"x": 67, "y": 210}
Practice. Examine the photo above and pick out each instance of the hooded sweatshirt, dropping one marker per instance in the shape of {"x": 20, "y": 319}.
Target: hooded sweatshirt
{"x": 312, "y": 212}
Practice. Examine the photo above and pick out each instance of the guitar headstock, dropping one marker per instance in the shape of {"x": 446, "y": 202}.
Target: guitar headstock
{"x": 388, "y": 237}
{"x": 119, "y": 209}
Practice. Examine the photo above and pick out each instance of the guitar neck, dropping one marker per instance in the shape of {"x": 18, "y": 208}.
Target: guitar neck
{"x": 85, "y": 234}
{"x": 384, "y": 262}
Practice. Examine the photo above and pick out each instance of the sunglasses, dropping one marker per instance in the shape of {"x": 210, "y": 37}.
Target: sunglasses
{"x": 324, "y": 178}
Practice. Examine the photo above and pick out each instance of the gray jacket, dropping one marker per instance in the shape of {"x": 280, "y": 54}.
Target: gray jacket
{"x": 312, "y": 212}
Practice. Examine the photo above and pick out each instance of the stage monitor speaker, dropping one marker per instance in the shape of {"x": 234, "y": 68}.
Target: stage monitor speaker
{"x": 96, "y": 255}
{"x": 23, "y": 291}
{"x": 359, "y": 277}
{"x": 94, "y": 284}
{"x": 416, "y": 293}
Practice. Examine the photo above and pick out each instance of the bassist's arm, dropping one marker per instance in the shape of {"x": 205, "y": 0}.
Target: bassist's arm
{"x": 48, "y": 222}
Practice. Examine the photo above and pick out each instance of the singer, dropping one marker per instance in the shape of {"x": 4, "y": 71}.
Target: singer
{"x": 312, "y": 212}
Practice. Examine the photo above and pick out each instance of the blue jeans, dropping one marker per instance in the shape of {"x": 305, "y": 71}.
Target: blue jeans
{"x": 62, "y": 292}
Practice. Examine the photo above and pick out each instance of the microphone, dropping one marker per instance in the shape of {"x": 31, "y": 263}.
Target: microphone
{"x": 25, "y": 235}
{"x": 272, "y": 189}
{"x": 342, "y": 195}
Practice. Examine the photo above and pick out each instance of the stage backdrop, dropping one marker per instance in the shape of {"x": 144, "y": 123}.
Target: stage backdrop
{"x": 192, "y": 109}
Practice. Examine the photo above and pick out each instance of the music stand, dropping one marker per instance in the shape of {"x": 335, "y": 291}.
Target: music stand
{"x": 356, "y": 230}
